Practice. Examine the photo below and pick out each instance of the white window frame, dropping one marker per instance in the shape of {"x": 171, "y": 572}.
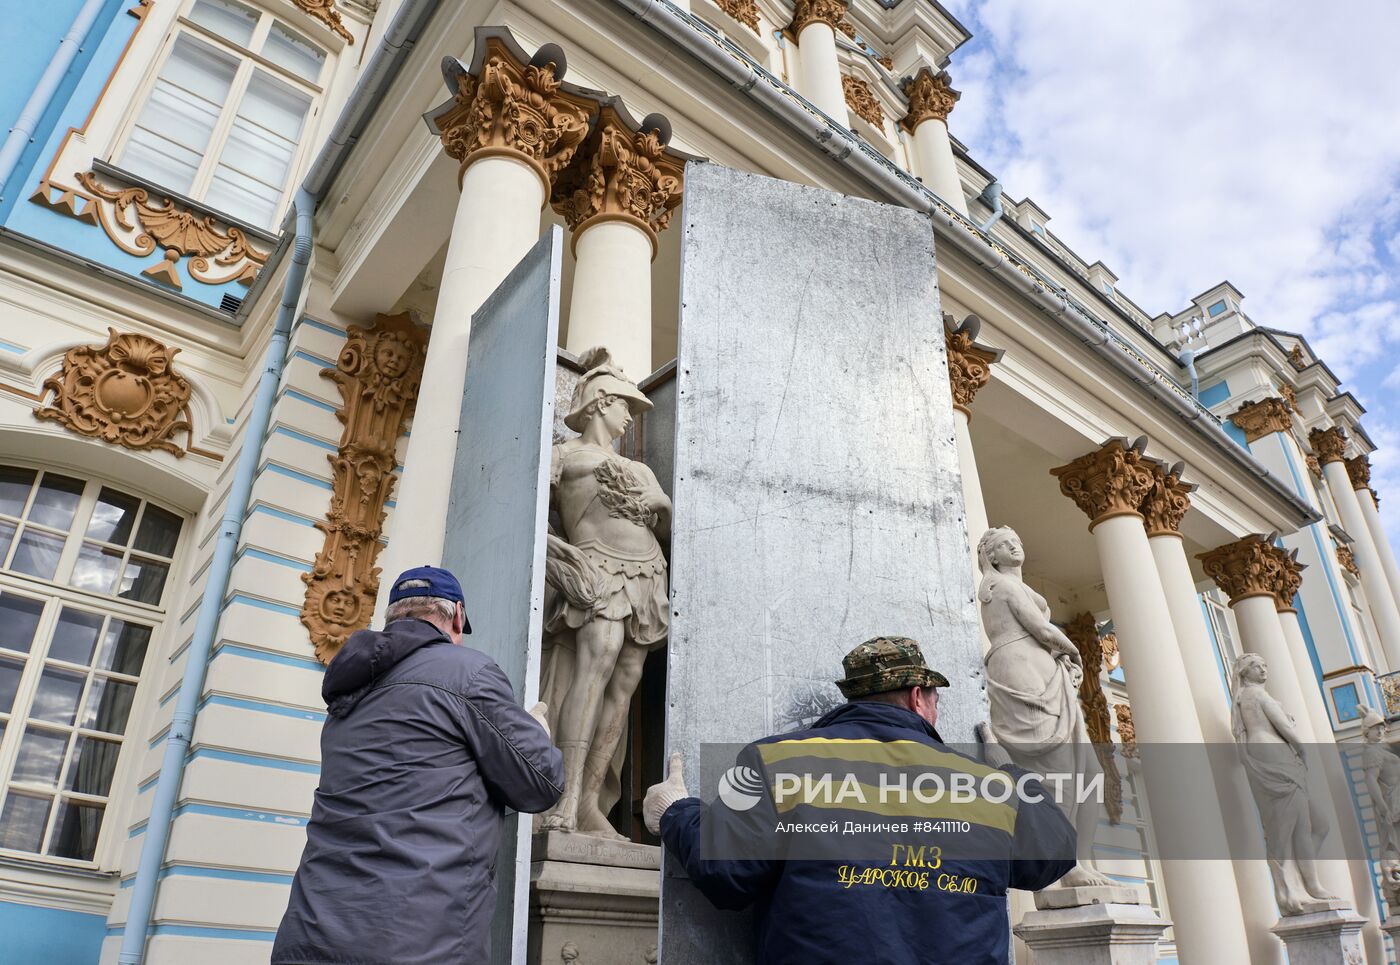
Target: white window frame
{"x": 248, "y": 62}
{"x": 55, "y": 594}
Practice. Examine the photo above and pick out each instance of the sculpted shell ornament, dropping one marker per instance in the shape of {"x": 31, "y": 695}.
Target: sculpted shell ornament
{"x": 125, "y": 392}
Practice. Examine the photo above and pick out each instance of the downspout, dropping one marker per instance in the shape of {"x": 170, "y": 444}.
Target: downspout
{"x": 1188, "y": 359}
{"x": 991, "y": 197}
{"x": 68, "y": 48}
{"x": 177, "y": 741}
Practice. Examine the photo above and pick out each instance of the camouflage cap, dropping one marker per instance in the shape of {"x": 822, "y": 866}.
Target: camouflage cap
{"x": 886, "y": 663}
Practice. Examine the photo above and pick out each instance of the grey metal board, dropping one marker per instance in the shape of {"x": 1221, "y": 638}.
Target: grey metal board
{"x": 496, "y": 517}
{"x": 817, "y": 495}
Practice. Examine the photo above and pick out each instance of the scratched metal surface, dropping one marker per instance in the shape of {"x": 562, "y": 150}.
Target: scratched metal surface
{"x": 495, "y": 530}
{"x": 817, "y": 497}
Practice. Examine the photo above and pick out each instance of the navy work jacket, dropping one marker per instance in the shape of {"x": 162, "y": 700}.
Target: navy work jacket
{"x": 903, "y": 905}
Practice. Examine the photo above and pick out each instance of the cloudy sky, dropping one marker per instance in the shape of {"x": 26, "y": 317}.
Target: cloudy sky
{"x": 1182, "y": 142}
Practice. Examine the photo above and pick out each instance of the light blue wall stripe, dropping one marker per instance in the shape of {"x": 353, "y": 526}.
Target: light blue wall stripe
{"x": 247, "y": 703}
{"x": 303, "y": 437}
{"x": 53, "y": 936}
{"x": 309, "y": 400}
{"x": 11, "y": 347}
{"x": 283, "y": 514}
{"x": 237, "y": 814}
{"x": 282, "y": 658}
{"x": 223, "y": 874}
{"x": 314, "y": 359}
{"x": 311, "y": 322}
{"x": 256, "y": 760}
{"x": 1213, "y": 395}
{"x": 275, "y": 558}
{"x": 299, "y": 476}
{"x": 203, "y": 931}
{"x": 262, "y": 605}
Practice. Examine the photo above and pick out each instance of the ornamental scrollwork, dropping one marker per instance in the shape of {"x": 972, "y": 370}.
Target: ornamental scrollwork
{"x": 126, "y": 392}
{"x": 1262, "y": 418}
{"x": 325, "y": 11}
{"x": 1251, "y": 566}
{"x": 744, "y": 11}
{"x": 1329, "y": 444}
{"x": 931, "y": 97}
{"x": 1112, "y": 480}
{"x": 969, "y": 364}
{"x": 860, "y": 99}
{"x": 1167, "y": 502}
{"x": 378, "y": 374}
{"x": 1083, "y": 631}
{"x": 830, "y": 12}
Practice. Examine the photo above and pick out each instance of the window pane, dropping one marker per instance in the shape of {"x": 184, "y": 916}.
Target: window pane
{"x": 124, "y": 649}
{"x": 56, "y": 501}
{"x": 300, "y": 56}
{"x": 113, "y": 517}
{"x": 57, "y": 698}
{"x": 7, "y": 535}
{"x": 173, "y": 130}
{"x": 143, "y": 580}
{"x": 19, "y": 617}
{"x": 108, "y": 705}
{"x": 94, "y": 761}
{"x": 40, "y": 757}
{"x": 96, "y": 568}
{"x": 15, "y": 484}
{"x": 37, "y": 554}
{"x": 22, "y": 823}
{"x": 75, "y": 830}
{"x": 257, "y": 158}
{"x": 75, "y": 637}
{"x": 232, "y": 21}
{"x": 159, "y": 531}
{"x": 10, "y": 669}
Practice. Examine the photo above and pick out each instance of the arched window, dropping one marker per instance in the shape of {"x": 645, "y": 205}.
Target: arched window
{"x": 224, "y": 120}
{"x": 83, "y": 574}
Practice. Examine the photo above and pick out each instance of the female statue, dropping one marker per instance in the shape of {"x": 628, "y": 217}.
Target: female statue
{"x": 1273, "y": 760}
{"x": 1382, "y": 769}
{"x": 1033, "y": 674}
{"x": 608, "y": 605}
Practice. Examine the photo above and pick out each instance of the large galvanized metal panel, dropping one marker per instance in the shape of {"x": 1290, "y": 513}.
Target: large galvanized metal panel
{"x": 497, "y": 516}
{"x": 817, "y": 496}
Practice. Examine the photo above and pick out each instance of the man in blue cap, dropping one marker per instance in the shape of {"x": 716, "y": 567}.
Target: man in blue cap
{"x": 423, "y": 748}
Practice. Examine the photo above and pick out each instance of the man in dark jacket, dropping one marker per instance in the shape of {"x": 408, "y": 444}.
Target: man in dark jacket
{"x": 912, "y": 896}
{"x": 423, "y": 749}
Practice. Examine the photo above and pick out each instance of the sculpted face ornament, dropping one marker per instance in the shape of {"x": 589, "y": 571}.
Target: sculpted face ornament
{"x": 124, "y": 392}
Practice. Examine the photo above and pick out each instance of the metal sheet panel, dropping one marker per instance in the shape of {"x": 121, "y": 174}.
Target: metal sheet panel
{"x": 817, "y": 496}
{"x": 496, "y": 519}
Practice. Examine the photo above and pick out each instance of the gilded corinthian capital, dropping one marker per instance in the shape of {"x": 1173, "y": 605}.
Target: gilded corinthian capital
{"x": 1111, "y": 481}
{"x": 931, "y": 97}
{"x": 1359, "y": 471}
{"x": 1167, "y": 501}
{"x": 969, "y": 364}
{"x": 1329, "y": 444}
{"x": 1259, "y": 419}
{"x": 505, "y": 105}
{"x": 829, "y": 12}
{"x": 1290, "y": 580}
{"x": 1251, "y": 566}
{"x": 624, "y": 171}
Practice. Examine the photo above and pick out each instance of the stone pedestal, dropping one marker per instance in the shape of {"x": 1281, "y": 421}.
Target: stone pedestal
{"x": 1327, "y": 933}
{"x": 592, "y": 900}
{"x": 1092, "y": 926}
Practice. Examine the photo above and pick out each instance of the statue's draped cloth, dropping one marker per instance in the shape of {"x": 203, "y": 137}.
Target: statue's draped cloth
{"x": 1044, "y": 731}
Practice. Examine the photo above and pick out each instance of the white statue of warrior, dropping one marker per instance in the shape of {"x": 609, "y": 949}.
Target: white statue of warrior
{"x": 606, "y": 603}
{"x": 1273, "y": 758}
{"x": 1033, "y": 674}
{"x": 1382, "y": 770}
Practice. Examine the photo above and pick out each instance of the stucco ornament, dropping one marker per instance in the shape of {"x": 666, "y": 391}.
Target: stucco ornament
{"x": 515, "y": 108}
{"x": 125, "y": 392}
{"x": 1111, "y": 481}
{"x": 1313, "y": 465}
{"x": 744, "y": 11}
{"x": 1167, "y": 502}
{"x": 1033, "y": 675}
{"x": 1084, "y": 632}
{"x": 860, "y": 99}
{"x": 829, "y": 12}
{"x": 325, "y": 11}
{"x": 1127, "y": 732}
{"x": 1347, "y": 560}
{"x": 969, "y": 364}
{"x": 1289, "y": 580}
{"x": 1329, "y": 444}
{"x": 931, "y": 97}
{"x": 1290, "y": 396}
{"x": 377, "y": 373}
{"x": 1272, "y": 752}
{"x": 620, "y": 173}
{"x": 1250, "y": 566}
{"x": 606, "y": 592}
{"x": 1295, "y": 355}
{"x": 1261, "y": 418}
{"x": 1359, "y": 471}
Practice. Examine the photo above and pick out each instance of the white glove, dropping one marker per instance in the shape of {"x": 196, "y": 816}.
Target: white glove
{"x": 540, "y": 712}
{"x": 662, "y": 796}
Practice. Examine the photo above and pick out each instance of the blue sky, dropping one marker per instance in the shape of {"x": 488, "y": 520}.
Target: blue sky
{"x": 1183, "y": 142}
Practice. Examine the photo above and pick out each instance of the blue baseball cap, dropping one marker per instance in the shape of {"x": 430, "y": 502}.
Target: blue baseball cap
{"x": 438, "y": 582}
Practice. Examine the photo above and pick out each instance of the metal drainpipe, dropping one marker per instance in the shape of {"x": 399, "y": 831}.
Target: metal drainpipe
{"x": 39, "y": 101}
{"x": 177, "y": 742}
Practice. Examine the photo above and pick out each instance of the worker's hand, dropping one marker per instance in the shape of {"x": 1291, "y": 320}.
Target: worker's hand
{"x": 662, "y": 796}
{"x": 540, "y": 712}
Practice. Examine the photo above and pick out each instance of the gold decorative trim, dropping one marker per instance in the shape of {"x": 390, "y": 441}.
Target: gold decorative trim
{"x": 126, "y": 392}
{"x": 744, "y": 11}
{"x": 1252, "y": 566}
{"x": 1110, "y": 481}
{"x": 829, "y": 12}
{"x": 1262, "y": 418}
{"x": 138, "y": 223}
{"x": 325, "y": 11}
{"x": 1290, "y": 396}
{"x": 1313, "y": 465}
{"x": 1290, "y": 580}
{"x": 969, "y": 365}
{"x": 1347, "y": 560}
{"x": 1343, "y": 671}
{"x": 860, "y": 99}
{"x": 378, "y": 374}
{"x": 1167, "y": 502}
{"x": 1084, "y": 632}
{"x": 1329, "y": 444}
{"x": 1295, "y": 356}
{"x": 1127, "y": 733}
{"x": 1359, "y": 471}
{"x": 931, "y": 97}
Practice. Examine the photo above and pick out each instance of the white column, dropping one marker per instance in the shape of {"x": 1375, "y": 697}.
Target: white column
{"x": 975, "y": 505}
{"x": 497, "y": 221}
{"x": 1379, "y": 597}
{"x": 1376, "y": 528}
{"x": 1252, "y": 881}
{"x": 818, "y": 70}
{"x": 937, "y": 167}
{"x": 611, "y": 300}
